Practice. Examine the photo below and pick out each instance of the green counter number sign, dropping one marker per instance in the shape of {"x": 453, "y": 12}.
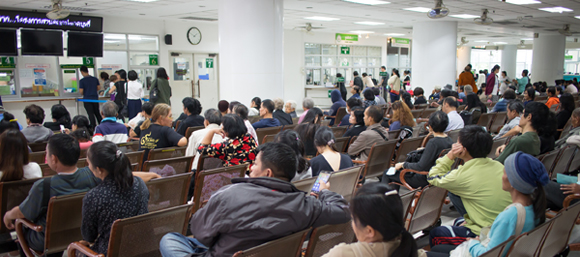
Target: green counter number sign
{"x": 344, "y": 50}
{"x": 69, "y": 71}
{"x": 7, "y": 62}
{"x": 209, "y": 62}
{"x": 88, "y": 61}
{"x": 153, "y": 59}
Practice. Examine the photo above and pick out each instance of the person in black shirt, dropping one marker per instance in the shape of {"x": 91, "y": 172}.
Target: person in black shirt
{"x": 284, "y": 118}
{"x": 120, "y": 88}
{"x": 357, "y": 114}
{"x": 157, "y": 133}
{"x": 192, "y": 108}
{"x": 329, "y": 159}
{"x": 419, "y": 97}
{"x": 358, "y": 81}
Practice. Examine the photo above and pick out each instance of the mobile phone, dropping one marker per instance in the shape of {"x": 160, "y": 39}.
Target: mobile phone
{"x": 323, "y": 176}
{"x": 62, "y": 129}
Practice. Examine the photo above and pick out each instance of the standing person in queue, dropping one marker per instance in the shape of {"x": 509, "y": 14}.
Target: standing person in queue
{"x": 134, "y": 94}
{"x": 395, "y": 84}
{"x": 121, "y": 88}
{"x": 89, "y": 87}
{"x": 340, "y": 86}
{"x": 162, "y": 84}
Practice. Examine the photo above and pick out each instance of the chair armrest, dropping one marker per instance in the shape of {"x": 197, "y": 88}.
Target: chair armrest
{"x": 18, "y": 225}
{"x": 405, "y": 171}
{"x": 569, "y": 199}
{"x": 29, "y": 224}
{"x": 550, "y": 214}
{"x": 359, "y": 162}
{"x": 77, "y": 246}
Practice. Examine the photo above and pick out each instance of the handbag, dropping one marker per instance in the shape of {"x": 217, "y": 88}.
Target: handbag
{"x": 414, "y": 156}
{"x": 125, "y": 109}
{"x": 154, "y": 93}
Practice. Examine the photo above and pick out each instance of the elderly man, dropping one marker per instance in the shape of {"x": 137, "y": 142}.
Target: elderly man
{"x": 110, "y": 129}
{"x": 307, "y": 104}
{"x": 290, "y": 108}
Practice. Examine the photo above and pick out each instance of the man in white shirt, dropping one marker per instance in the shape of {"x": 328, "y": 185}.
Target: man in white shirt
{"x": 213, "y": 119}
{"x": 514, "y": 110}
{"x": 450, "y": 107}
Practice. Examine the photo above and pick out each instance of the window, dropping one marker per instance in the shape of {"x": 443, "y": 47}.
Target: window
{"x": 571, "y": 62}
{"x": 523, "y": 61}
{"x": 485, "y": 59}
{"x": 397, "y": 58}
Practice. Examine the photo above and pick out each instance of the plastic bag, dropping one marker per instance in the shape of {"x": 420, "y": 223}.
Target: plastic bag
{"x": 462, "y": 250}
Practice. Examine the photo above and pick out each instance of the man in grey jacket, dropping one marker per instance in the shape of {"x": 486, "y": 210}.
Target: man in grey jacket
{"x": 252, "y": 211}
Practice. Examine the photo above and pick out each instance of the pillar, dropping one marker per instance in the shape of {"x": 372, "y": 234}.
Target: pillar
{"x": 251, "y": 49}
{"x": 508, "y": 61}
{"x": 548, "y": 58}
{"x": 463, "y": 58}
{"x": 434, "y": 54}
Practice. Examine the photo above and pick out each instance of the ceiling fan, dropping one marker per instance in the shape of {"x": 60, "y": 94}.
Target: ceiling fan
{"x": 464, "y": 41}
{"x": 483, "y": 20}
{"x": 566, "y": 31}
{"x": 57, "y": 11}
{"x": 522, "y": 44}
{"x": 439, "y": 11}
{"x": 308, "y": 27}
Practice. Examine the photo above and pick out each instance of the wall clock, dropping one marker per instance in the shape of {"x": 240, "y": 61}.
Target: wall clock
{"x": 194, "y": 36}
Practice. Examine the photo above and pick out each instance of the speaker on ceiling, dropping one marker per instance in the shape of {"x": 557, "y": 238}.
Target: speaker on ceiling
{"x": 168, "y": 39}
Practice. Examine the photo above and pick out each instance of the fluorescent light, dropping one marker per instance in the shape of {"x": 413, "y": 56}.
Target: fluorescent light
{"x": 557, "y": 9}
{"x": 577, "y": 17}
{"x": 369, "y": 2}
{"x": 500, "y": 43}
{"x": 527, "y": 39}
{"x": 320, "y": 18}
{"x": 115, "y": 36}
{"x": 394, "y": 34}
{"x": 418, "y": 9}
{"x": 369, "y": 23}
{"x": 522, "y": 1}
{"x": 361, "y": 32}
{"x": 480, "y": 41}
{"x": 142, "y": 1}
{"x": 464, "y": 16}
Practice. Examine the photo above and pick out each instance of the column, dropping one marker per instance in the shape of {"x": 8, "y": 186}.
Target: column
{"x": 463, "y": 58}
{"x": 434, "y": 54}
{"x": 251, "y": 49}
{"x": 548, "y": 58}
{"x": 508, "y": 61}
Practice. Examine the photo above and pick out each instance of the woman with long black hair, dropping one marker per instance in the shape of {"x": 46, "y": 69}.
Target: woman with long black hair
{"x": 307, "y": 129}
{"x": 162, "y": 84}
{"x": 121, "y": 88}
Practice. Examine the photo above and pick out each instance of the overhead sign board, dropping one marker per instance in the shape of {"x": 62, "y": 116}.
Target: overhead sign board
{"x": 400, "y": 42}
{"x": 346, "y": 38}
{"x": 38, "y": 20}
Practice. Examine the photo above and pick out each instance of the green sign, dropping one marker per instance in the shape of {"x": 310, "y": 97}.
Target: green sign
{"x": 568, "y": 57}
{"x": 209, "y": 62}
{"x": 341, "y": 79}
{"x": 383, "y": 74}
{"x": 344, "y": 50}
{"x": 88, "y": 61}
{"x": 153, "y": 59}
{"x": 7, "y": 62}
{"x": 75, "y": 66}
{"x": 346, "y": 37}
{"x": 69, "y": 71}
{"x": 329, "y": 92}
{"x": 400, "y": 42}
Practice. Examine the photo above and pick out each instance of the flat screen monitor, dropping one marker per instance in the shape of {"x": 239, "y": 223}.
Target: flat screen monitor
{"x": 41, "y": 42}
{"x": 85, "y": 44}
{"x": 8, "y": 42}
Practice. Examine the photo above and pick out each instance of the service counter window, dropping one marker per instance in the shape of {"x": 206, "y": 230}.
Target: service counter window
{"x": 38, "y": 76}
{"x": 7, "y": 82}
{"x": 115, "y": 42}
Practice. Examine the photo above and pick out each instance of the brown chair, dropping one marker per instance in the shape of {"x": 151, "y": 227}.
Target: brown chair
{"x": 168, "y": 192}
{"x": 207, "y": 163}
{"x": 379, "y": 159}
{"x": 288, "y": 246}
{"x": 575, "y": 162}
{"x": 408, "y": 145}
{"x": 550, "y": 159}
{"x": 289, "y": 127}
{"x": 340, "y": 113}
{"x": 566, "y": 129}
{"x": 179, "y": 164}
{"x": 209, "y": 181}
{"x": 528, "y": 243}
{"x": 407, "y": 200}
{"x": 305, "y": 185}
{"x": 427, "y": 209}
{"x": 496, "y": 143}
{"x": 498, "y": 121}
{"x": 253, "y": 119}
{"x": 339, "y": 131}
{"x": 83, "y": 153}
{"x": 453, "y": 135}
{"x": 326, "y": 237}
{"x": 129, "y": 146}
{"x": 166, "y": 153}
{"x": 136, "y": 159}
{"x": 461, "y": 108}
{"x": 500, "y": 249}
{"x": 191, "y": 130}
{"x": 82, "y": 163}
{"x": 268, "y": 139}
{"x": 262, "y": 132}
{"x": 38, "y": 157}
{"x": 554, "y": 107}
{"x": 425, "y": 173}
{"x": 13, "y": 193}
{"x": 177, "y": 124}
{"x": 37, "y": 147}
{"x": 46, "y": 170}
{"x": 427, "y": 112}
{"x": 63, "y": 225}
{"x": 352, "y": 139}
{"x": 564, "y": 160}
{"x": 341, "y": 144}
{"x": 485, "y": 120}
{"x": 421, "y": 106}
{"x": 295, "y": 120}
{"x": 557, "y": 237}
{"x": 417, "y": 113}
{"x": 140, "y": 235}
{"x": 343, "y": 182}
{"x": 394, "y": 134}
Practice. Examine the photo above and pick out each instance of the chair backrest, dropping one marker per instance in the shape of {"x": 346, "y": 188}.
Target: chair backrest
{"x": 295, "y": 120}
{"x": 82, "y": 163}
{"x": 549, "y": 160}
{"x": 566, "y": 129}
{"x": 325, "y": 123}
{"x": 557, "y": 238}
{"x": 305, "y": 184}
{"x": 262, "y": 132}
{"x": 379, "y": 158}
{"x": 179, "y": 164}
{"x": 168, "y": 192}
{"x": 207, "y": 163}
{"x": 166, "y": 153}
{"x": 575, "y": 162}
{"x": 485, "y": 120}
{"x": 290, "y": 127}
{"x": 554, "y": 107}
{"x": 427, "y": 210}
{"x": 417, "y": 113}
{"x": 408, "y": 145}
{"x": 528, "y": 244}
{"x": 340, "y": 113}
{"x": 209, "y": 181}
{"x": 177, "y": 124}
{"x": 499, "y": 249}
{"x": 191, "y": 130}
{"x": 421, "y": 106}
{"x": 338, "y": 131}
{"x": 427, "y": 112}
{"x": 326, "y": 237}
{"x": 343, "y": 182}
{"x": 136, "y": 159}
{"x": 393, "y": 135}
{"x": 140, "y": 235}
{"x": 268, "y": 139}
{"x": 288, "y": 246}
{"x": 38, "y": 157}
{"x": 496, "y": 143}
{"x": 341, "y": 143}
{"x": 454, "y": 135}
{"x": 83, "y": 153}
{"x": 498, "y": 122}
{"x": 46, "y": 170}
{"x": 37, "y": 147}
{"x": 407, "y": 199}
{"x": 253, "y": 119}
{"x": 566, "y": 156}
{"x": 63, "y": 222}
{"x": 129, "y": 146}
{"x": 13, "y": 193}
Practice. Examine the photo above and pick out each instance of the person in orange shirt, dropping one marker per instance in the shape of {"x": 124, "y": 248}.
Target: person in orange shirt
{"x": 552, "y": 97}
{"x": 466, "y": 78}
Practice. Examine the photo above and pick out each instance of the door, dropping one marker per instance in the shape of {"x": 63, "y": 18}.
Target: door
{"x": 182, "y": 76}
{"x": 206, "y": 88}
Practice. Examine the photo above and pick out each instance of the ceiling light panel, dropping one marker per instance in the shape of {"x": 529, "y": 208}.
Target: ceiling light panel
{"x": 418, "y": 9}
{"x": 142, "y": 1}
{"x": 500, "y": 43}
{"x": 464, "y": 16}
{"x": 557, "y": 9}
{"x": 521, "y": 2}
{"x": 361, "y": 32}
{"x": 320, "y": 18}
{"x": 369, "y": 23}
{"x": 368, "y": 2}
{"x": 394, "y": 34}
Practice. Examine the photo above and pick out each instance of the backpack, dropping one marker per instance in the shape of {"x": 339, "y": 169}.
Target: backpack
{"x": 154, "y": 93}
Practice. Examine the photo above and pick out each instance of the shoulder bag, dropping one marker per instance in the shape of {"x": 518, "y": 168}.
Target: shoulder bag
{"x": 154, "y": 93}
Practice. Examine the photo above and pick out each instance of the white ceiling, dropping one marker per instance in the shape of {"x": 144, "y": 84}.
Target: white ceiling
{"x": 506, "y": 28}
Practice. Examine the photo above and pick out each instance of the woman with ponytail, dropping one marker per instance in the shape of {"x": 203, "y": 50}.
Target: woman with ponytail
{"x": 121, "y": 195}
{"x": 379, "y": 226}
{"x": 524, "y": 178}
{"x": 292, "y": 139}
{"x": 329, "y": 158}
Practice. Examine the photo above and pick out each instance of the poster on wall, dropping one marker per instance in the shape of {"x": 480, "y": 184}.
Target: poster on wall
{"x": 40, "y": 77}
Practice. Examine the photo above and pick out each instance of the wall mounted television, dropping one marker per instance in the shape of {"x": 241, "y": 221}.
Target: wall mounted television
{"x": 41, "y": 42}
{"x": 8, "y": 45}
{"x": 85, "y": 44}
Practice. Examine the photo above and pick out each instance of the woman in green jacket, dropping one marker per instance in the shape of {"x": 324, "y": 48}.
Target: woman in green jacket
{"x": 162, "y": 83}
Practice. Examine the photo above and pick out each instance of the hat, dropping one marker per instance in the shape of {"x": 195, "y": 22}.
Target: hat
{"x": 525, "y": 172}
{"x": 449, "y": 86}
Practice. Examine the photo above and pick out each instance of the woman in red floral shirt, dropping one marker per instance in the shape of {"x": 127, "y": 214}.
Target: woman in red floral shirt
{"x": 238, "y": 148}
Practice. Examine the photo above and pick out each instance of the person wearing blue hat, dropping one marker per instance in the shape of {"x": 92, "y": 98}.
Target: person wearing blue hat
{"x": 524, "y": 178}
